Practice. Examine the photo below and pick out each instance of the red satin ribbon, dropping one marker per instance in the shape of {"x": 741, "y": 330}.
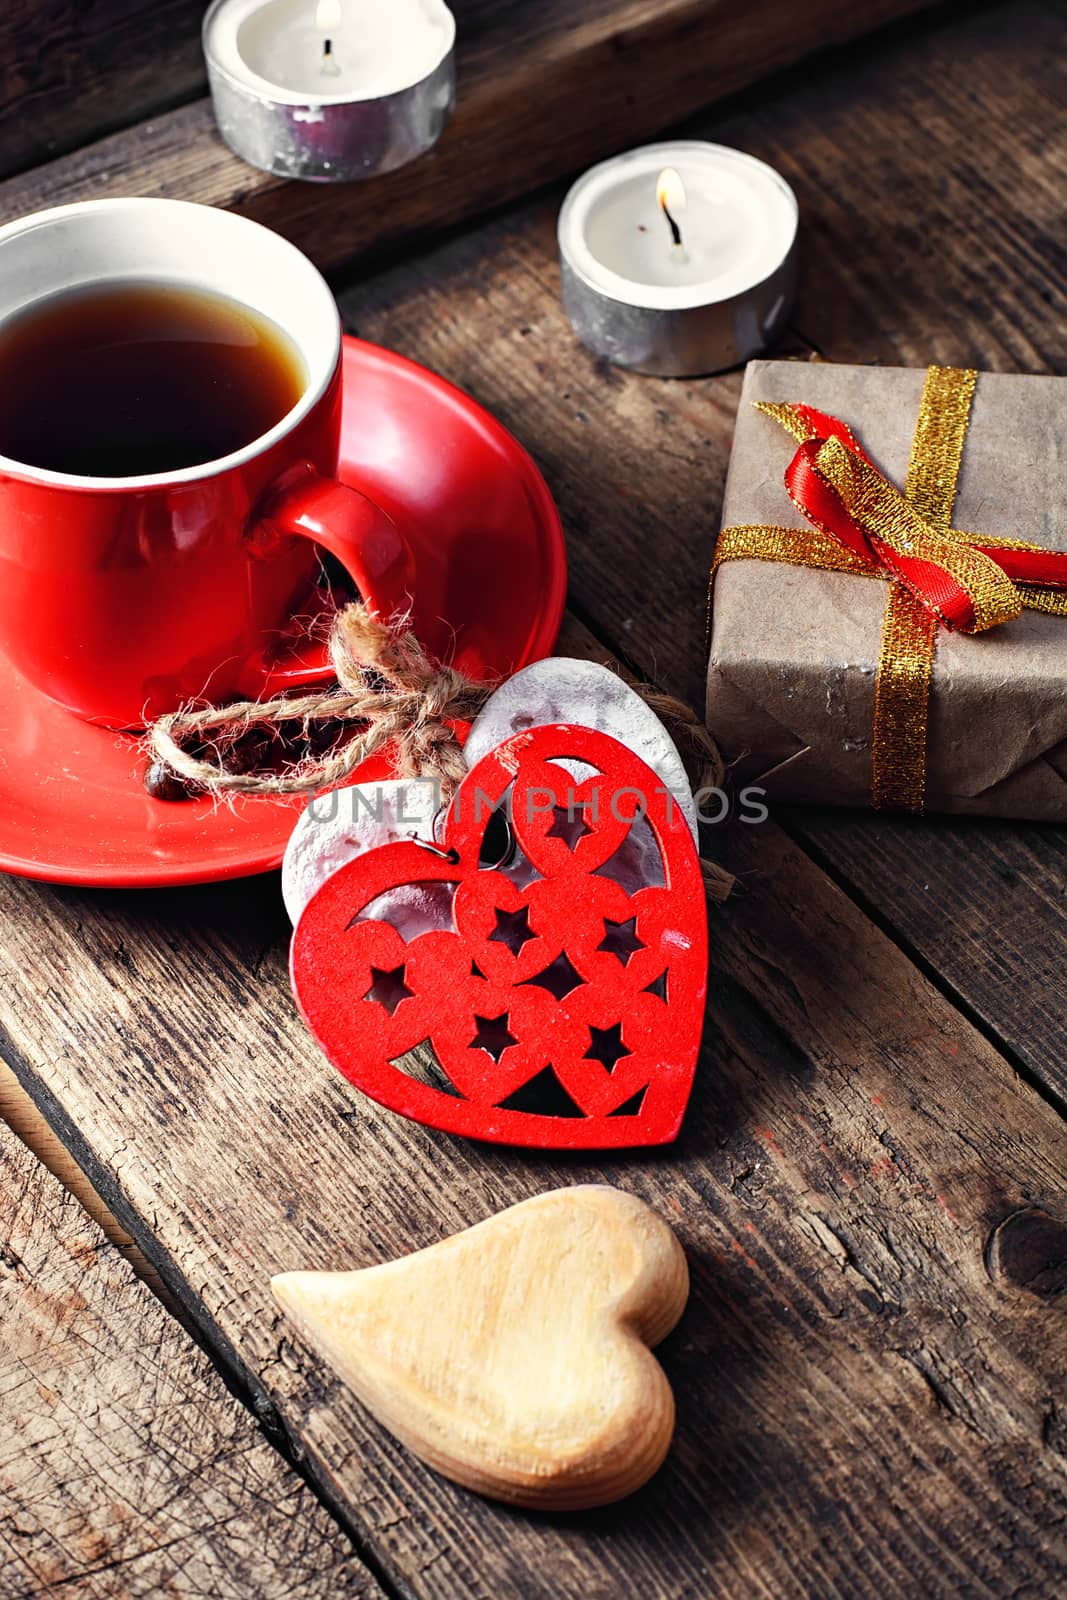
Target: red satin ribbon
{"x": 938, "y": 589}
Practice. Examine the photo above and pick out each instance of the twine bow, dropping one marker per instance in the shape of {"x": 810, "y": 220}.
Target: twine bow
{"x": 938, "y": 576}
{"x": 397, "y": 698}
{"x": 388, "y": 689}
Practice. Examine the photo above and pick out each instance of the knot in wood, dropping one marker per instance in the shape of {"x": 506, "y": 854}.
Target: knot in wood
{"x": 1028, "y": 1250}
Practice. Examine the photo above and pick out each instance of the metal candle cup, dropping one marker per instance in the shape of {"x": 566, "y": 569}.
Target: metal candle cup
{"x": 691, "y": 280}
{"x": 334, "y": 92}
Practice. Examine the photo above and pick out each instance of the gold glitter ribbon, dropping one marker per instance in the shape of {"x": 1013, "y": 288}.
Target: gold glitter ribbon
{"x": 914, "y": 526}
{"x": 909, "y": 629}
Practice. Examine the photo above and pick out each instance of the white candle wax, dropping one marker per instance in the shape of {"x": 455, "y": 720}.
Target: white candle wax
{"x": 739, "y": 221}
{"x": 377, "y": 47}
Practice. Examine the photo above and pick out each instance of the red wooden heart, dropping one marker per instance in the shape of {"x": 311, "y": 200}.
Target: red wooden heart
{"x": 564, "y": 1013}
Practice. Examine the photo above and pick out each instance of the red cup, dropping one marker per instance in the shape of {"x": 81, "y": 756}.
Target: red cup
{"x": 122, "y": 598}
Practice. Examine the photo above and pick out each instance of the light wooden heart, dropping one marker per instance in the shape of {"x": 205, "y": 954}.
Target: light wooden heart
{"x": 514, "y": 1357}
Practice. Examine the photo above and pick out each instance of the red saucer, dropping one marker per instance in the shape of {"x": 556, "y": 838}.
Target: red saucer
{"x": 489, "y": 558}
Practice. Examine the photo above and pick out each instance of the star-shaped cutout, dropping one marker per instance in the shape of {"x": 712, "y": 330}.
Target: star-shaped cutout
{"x": 388, "y": 987}
{"x": 492, "y": 1035}
{"x": 620, "y": 939}
{"x": 559, "y": 979}
{"x": 513, "y": 929}
{"x": 569, "y": 825}
{"x": 658, "y": 986}
{"x": 607, "y": 1046}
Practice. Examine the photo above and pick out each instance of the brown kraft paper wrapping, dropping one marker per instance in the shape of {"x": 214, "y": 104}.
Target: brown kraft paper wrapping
{"x": 794, "y": 651}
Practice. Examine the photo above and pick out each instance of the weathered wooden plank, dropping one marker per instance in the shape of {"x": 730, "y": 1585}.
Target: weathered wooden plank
{"x": 861, "y": 1407}
{"x": 851, "y": 1149}
{"x": 126, "y": 1469}
{"x": 21, "y": 1115}
{"x": 962, "y": 259}
{"x": 73, "y": 71}
{"x": 984, "y": 905}
{"x": 540, "y": 88}
{"x": 957, "y": 255}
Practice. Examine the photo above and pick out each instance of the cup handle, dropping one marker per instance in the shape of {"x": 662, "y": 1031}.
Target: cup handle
{"x": 365, "y": 540}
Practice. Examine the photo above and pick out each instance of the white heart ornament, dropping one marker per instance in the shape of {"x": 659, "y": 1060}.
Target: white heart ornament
{"x": 585, "y": 694}
{"x": 339, "y": 826}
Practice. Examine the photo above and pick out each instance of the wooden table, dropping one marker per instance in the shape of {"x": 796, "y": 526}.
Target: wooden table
{"x": 870, "y": 1185}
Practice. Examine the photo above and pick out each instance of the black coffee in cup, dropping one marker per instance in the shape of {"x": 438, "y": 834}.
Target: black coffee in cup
{"x": 128, "y": 378}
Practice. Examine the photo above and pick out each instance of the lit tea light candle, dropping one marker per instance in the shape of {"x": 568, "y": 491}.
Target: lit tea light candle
{"x": 679, "y": 258}
{"x": 330, "y": 89}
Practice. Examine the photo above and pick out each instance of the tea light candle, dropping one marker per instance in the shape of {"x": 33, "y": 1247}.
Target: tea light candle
{"x": 678, "y": 258}
{"x": 330, "y": 89}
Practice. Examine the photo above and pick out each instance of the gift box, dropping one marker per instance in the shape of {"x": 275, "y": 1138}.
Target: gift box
{"x": 893, "y": 630}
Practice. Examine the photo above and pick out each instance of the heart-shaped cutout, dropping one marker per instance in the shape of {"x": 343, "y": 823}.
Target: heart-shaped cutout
{"x": 338, "y": 826}
{"x": 561, "y": 689}
{"x": 514, "y": 1358}
{"x": 562, "y": 1013}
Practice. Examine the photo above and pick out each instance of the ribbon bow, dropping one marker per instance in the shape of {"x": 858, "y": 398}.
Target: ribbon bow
{"x": 938, "y": 576}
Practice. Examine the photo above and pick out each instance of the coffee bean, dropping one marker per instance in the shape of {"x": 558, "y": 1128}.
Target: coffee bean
{"x": 250, "y": 753}
{"x": 163, "y": 784}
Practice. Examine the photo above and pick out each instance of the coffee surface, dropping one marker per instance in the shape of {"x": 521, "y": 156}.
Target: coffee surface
{"x": 125, "y": 378}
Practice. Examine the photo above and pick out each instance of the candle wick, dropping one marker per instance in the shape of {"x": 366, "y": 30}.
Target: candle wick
{"x": 329, "y": 65}
{"x": 676, "y": 232}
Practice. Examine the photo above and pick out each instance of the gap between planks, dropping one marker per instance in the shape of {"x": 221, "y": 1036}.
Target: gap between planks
{"x": 791, "y": 821}
{"x": 52, "y": 1139}
{"x": 180, "y": 1495}
{"x": 832, "y": 1234}
{"x": 809, "y": 841}
{"x": 25, "y": 1119}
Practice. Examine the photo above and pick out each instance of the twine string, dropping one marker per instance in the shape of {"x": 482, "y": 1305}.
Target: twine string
{"x": 394, "y": 696}
{"x": 387, "y": 688}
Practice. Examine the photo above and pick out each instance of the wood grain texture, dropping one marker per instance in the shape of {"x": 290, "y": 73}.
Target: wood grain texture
{"x": 930, "y": 177}
{"x": 515, "y": 1357}
{"x": 24, "y": 1118}
{"x": 870, "y": 1373}
{"x": 542, "y": 88}
{"x": 126, "y": 1470}
{"x": 72, "y": 70}
{"x": 985, "y": 906}
{"x": 861, "y": 1406}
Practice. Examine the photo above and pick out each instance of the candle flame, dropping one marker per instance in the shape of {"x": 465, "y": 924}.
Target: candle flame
{"x": 328, "y": 15}
{"x": 670, "y": 192}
